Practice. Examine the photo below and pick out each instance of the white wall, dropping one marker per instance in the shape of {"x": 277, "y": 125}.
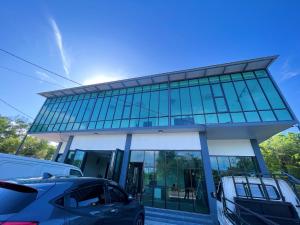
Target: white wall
{"x": 99, "y": 142}
{"x": 166, "y": 141}
{"x": 230, "y": 147}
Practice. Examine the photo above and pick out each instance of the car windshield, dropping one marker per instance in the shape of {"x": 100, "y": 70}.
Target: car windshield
{"x": 15, "y": 197}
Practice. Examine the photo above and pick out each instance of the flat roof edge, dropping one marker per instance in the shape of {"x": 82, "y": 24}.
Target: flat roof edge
{"x": 217, "y": 69}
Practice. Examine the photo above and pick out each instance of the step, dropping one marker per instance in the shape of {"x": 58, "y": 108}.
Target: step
{"x": 168, "y": 216}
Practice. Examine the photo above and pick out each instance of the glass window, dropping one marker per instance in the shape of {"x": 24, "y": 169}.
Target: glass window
{"x": 267, "y": 116}
{"x": 271, "y": 93}
{"x": 154, "y": 103}
{"x": 283, "y": 114}
{"x": 224, "y": 118}
{"x": 257, "y": 95}
{"x": 97, "y": 109}
{"x": 256, "y": 191}
{"x": 81, "y": 111}
{"x": 111, "y": 108}
{"x": 217, "y": 90}
{"x": 221, "y": 105}
{"x": 252, "y": 117}
{"x": 199, "y": 119}
{"x": 236, "y": 76}
{"x": 145, "y": 105}
{"x": 203, "y": 81}
{"x": 86, "y": 197}
{"x": 261, "y": 73}
{"x": 244, "y": 96}
{"x": 104, "y": 108}
{"x": 127, "y": 106}
{"x": 211, "y": 118}
{"x": 75, "y": 111}
{"x": 231, "y": 97}
{"x": 186, "y": 108}
{"x": 196, "y": 100}
{"x": 248, "y": 75}
{"x": 175, "y": 102}
{"x": 272, "y": 192}
{"x": 238, "y": 117}
{"x": 136, "y": 105}
{"x": 207, "y": 99}
{"x": 240, "y": 190}
{"x": 119, "y": 107}
{"x": 163, "y": 103}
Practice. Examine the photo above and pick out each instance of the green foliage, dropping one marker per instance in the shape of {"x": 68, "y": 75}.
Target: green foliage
{"x": 282, "y": 152}
{"x": 11, "y": 134}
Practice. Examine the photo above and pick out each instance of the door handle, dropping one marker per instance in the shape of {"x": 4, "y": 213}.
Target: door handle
{"x": 114, "y": 210}
{"x": 95, "y": 212}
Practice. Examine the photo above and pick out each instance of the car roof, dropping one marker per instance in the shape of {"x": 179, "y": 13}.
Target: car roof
{"x": 74, "y": 180}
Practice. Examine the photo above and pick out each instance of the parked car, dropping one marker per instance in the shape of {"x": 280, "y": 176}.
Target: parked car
{"x": 67, "y": 201}
{"x": 256, "y": 200}
{"x": 12, "y": 166}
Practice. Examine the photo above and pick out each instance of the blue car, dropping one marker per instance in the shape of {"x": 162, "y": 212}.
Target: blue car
{"x": 67, "y": 201}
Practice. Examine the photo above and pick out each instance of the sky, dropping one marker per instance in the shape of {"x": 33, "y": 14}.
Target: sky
{"x": 98, "y": 41}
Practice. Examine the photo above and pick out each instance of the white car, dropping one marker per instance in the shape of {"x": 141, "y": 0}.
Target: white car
{"x": 256, "y": 200}
{"x": 12, "y": 167}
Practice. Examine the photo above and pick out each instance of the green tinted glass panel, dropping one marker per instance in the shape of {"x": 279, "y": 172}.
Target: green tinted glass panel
{"x": 252, "y": 117}
{"x": 267, "y": 116}
{"x": 231, "y": 97}
{"x": 207, "y": 99}
{"x": 271, "y": 93}
{"x": 283, "y": 114}
{"x": 238, "y": 117}
{"x": 244, "y": 96}
{"x": 175, "y": 102}
{"x": 186, "y": 107}
{"x": 258, "y": 95}
{"x": 196, "y": 100}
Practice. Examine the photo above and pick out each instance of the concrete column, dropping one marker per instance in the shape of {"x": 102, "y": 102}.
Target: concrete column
{"x": 126, "y": 156}
{"x": 259, "y": 158}
{"x": 56, "y": 151}
{"x": 210, "y": 184}
{"x": 67, "y": 148}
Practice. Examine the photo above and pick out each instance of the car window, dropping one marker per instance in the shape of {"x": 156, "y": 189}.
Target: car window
{"x": 240, "y": 190}
{"x": 15, "y": 197}
{"x": 256, "y": 191}
{"x": 272, "y": 192}
{"x": 116, "y": 195}
{"x": 75, "y": 173}
{"x": 86, "y": 197}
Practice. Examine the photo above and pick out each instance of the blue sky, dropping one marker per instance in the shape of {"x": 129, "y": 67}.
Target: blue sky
{"x": 94, "y": 41}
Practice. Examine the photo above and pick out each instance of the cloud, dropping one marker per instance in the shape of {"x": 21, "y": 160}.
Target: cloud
{"x": 42, "y": 74}
{"x": 287, "y": 72}
{"x": 102, "y": 78}
{"x": 59, "y": 42}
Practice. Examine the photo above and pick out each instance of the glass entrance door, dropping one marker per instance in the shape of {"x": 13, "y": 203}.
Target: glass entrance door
{"x": 76, "y": 158}
{"x": 115, "y": 165}
{"x": 170, "y": 179}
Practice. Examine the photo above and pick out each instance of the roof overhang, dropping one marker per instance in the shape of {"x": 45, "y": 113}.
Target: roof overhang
{"x": 259, "y": 131}
{"x": 226, "y": 68}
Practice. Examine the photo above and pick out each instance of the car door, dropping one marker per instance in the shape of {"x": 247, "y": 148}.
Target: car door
{"x": 120, "y": 209}
{"x": 86, "y": 205}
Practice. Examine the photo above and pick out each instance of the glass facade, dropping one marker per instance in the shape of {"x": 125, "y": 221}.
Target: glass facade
{"x": 168, "y": 179}
{"x": 233, "y": 98}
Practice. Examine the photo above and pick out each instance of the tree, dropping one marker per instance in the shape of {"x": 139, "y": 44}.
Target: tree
{"x": 282, "y": 152}
{"x": 11, "y": 133}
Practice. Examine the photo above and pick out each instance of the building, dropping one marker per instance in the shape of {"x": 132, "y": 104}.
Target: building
{"x": 166, "y": 137}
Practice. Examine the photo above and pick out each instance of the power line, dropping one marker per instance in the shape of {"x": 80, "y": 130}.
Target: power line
{"x": 27, "y": 75}
{"x": 13, "y": 107}
{"x": 38, "y": 66}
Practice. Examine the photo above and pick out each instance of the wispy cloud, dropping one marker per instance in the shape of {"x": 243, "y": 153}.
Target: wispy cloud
{"x": 59, "y": 42}
{"x": 287, "y": 72}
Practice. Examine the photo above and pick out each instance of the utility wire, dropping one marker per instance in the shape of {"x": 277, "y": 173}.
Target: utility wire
{"x": 27, "y": 75}
{"x": 38, "y": 66}
{"x": 13, "y": 107}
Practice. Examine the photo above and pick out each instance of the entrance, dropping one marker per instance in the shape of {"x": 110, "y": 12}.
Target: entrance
{"x": 101, "y": 164}
{"x": 168, "y": 179}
